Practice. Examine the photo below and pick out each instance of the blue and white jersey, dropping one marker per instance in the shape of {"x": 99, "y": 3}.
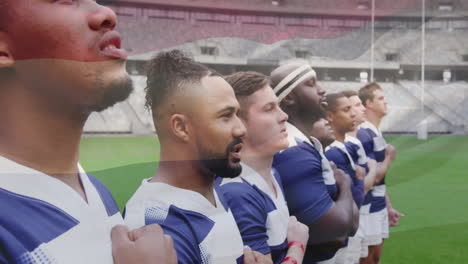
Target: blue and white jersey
{"x": 374, "y": 145}
{"x": 356, "y": 151}
{"x": 262, "y": 216}
{"x": 308, "y": 181}
{"x": 338, "y": 153}
{"x": 44, "y": 220}
{"x": 202, "y": 232}
{"x": 358, "y": 154}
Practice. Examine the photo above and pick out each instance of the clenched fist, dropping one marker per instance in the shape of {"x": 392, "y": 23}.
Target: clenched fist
{"x": 146, "y": 245}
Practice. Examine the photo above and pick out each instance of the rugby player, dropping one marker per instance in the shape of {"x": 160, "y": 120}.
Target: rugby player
{"x": 342, "y": 118}
{"x": 358, "y": 247}
{"x": 195, "y": 113}
{"x": 307, "y": 176}
{"x": 375, "y": 146}
{"x": 256, "y": 197}
{"x": 354, "y": 146}
{"x": 60, "y": 61}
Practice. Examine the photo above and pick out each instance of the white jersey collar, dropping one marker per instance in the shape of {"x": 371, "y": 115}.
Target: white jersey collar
{"x": 28, "y": 182}
{"x": 294, "y": 133}
{"x": 252, "y": 177}
{"x": 166, "y": 195}
{"x": 369, "y": 125}
{"x": 342, "y": 147}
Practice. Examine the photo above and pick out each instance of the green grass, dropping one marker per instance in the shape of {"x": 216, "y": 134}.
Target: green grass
{"x": 427, "y": 182}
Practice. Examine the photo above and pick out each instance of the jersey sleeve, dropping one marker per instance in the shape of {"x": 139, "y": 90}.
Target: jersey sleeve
{"x": 353, "y": 151}
{"x": 305, "y": 191}
{"x": 343, "y": 163}
{"x": 357, "y": 190}
{"x": 367, "y": 142}
{"x": 248, "y": 208}
{"x": 187, "y": 230}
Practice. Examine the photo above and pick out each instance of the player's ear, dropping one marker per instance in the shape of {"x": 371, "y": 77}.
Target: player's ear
{"x": 289, "y": 100}
{"x": 180, "y": 127}
{"x": 6, "y": 57}
{"x": 368, "y": 103}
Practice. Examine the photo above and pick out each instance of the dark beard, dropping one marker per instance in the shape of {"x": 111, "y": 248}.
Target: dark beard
{"x": 219, "y": 166}
{"x": 116, "y": 92}
{"x": 311, "y": 113}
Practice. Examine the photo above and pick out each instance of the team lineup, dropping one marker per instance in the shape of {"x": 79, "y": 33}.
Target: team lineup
{"x": 252, "y": 168}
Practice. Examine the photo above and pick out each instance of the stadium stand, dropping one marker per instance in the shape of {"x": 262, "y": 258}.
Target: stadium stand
{"x": 130, "y": 116}
{"x": 137, "y": 103}
{"x": 333, "y": 36}
{"x": 112, "y": 120}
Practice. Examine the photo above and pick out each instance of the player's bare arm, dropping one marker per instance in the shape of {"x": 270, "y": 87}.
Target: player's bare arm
{"x": 336, "y": 224}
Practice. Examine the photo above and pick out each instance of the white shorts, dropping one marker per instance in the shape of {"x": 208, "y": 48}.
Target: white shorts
{"x": 354, "y": 250}
{"x": 357, "y": 247}
{"x": 377, "y": 228}
{"x": 339, "y": 257}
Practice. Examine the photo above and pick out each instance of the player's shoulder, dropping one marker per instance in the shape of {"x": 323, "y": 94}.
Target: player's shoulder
{"x": 351, "y": 147}
{"x": 18, "y": 208}
{"x": 364, "y": 131}
{"x": 333, "y": 150}
{"x": 27, "y": 222}
{"x": 352, "y": 143}
{"x": 366, "y": 136}
{"x": 239, "y": 191}
{"x": 300, "y": 152}
{"x": 187, "y": 228}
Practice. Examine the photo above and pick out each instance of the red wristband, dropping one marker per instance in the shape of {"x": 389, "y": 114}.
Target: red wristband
{"x": 289, "y": 260}
{"x": 297, "y": 244}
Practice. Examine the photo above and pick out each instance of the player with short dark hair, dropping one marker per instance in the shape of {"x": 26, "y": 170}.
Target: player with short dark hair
{"x": 376, "y": 148}
{"x": 256, "y": 197}
{"x": 342, "y": 120}
{"x": 357, "y": 247}
{"x": 341, "y": 116}
{"x": 308, "y": 178}
{"x": 195, "y": 113}
{"x": 60, "y": 61}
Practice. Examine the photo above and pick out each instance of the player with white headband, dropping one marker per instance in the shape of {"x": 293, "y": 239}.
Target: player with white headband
{"x": 317, "y": 193}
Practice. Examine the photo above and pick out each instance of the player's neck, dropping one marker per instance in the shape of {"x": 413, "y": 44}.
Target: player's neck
{"x": 34, "y": 135}
{"x": 184, "y": 173}
{"x": 261, "y": 164}
{"x": 302, "y": 124}
{"x": 339, "y": 135}
{"x": 373, "y": 118}
{"x": 353, "y": 133}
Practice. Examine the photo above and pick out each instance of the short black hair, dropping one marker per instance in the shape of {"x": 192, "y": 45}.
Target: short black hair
{"x": 170, "y": 72}
{"x": 317, "y": 115}
{"x": 332, "y": 101}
